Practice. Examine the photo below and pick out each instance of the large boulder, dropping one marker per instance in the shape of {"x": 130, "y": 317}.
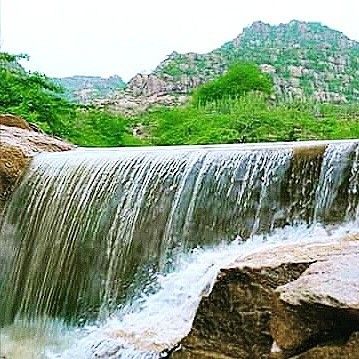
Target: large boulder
{"x": 18, "y": 143}
{"x": 290, "y": 301}
{"x": 321, "y": 305}
{"x": 12, "y": 164}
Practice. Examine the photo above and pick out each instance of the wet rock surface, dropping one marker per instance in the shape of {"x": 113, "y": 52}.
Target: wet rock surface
{"x": 12, "y": 164}
{"x": 288, "y": 302}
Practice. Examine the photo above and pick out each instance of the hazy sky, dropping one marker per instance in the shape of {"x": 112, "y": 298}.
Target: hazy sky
{"x": 90, "y": 37}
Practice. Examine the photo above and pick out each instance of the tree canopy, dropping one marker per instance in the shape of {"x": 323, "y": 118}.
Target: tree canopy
{"x": 240, "y": 79}
{"x": 31, "y": 95}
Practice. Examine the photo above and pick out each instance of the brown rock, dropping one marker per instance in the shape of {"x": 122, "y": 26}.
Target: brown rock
{"x": 146, "y": 85}
{"x": 14, "y": 121}
{"x": 234, "y": 320}
{"x": 17, "y": 145}
{"x": 246, "y": 314}
{"x": 12, "y": 164}
{"x": 345, "y": 350}
{"x": 322, "y": 304}
{"x": 31, "y": 142}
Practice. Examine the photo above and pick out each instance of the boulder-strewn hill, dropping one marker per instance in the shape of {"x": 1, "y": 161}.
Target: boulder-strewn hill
{"x": 86, "y": 88}
{"x": 306, "y": 60}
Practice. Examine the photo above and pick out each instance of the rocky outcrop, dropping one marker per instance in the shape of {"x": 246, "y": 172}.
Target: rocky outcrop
{"x": 307, "y": 61}
{"x": 147, "y": 85}
{"x": 127, "y": 103}
{"x": 18, "y": 143}
{"x": 288, "y": 302}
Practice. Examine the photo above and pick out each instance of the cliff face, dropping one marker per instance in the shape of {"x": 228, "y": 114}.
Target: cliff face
{"x": 306, "y": 61}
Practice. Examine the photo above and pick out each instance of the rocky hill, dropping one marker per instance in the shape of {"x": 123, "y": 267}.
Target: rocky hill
{"x": 84, "y": 89}
{"x": 306, "y": 60}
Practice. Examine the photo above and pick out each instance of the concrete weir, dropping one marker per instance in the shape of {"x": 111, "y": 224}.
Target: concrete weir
{"x": 92, "y": 236}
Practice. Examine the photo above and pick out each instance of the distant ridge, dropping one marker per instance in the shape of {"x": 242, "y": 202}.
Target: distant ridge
{"x": 84, "y": 89}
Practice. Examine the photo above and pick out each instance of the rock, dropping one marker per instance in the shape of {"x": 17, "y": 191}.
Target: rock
{"x": 234, "y": 320}
{"x": 140, "y": 132}
{"x": 269, "y": 69}
{"x": 331, "y": 283}
{"x": 14, "y": 121}
{"x": 296, "y": 71}
{"x": 127, "y": 104}
{"x": 348, "y": 349}
{"x": 31, "y": 142}
{"x": 18, "y": 143}
{"x": 146, "y": 85}
{"x": 281, "y": 302}
{"x": 12, "y": 164}
{"x": 321, "y": 303}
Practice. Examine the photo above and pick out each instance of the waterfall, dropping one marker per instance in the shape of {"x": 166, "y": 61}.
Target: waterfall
{"x": 85, "y": 230}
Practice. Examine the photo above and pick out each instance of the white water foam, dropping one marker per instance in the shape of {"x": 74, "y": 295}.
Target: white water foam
{"x": 157, "y": 321}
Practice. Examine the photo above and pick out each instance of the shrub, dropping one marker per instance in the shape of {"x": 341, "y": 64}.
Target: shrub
{"x": 239, "y": 80}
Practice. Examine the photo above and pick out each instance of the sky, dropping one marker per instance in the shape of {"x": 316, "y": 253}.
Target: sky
{"x": 102, "y": 38}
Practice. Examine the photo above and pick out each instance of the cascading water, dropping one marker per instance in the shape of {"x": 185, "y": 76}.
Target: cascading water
{"x": 88, "y": 231}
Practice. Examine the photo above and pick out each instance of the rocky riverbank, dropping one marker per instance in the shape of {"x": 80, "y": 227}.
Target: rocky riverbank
{"x": 19, "y": 142}
{"x": 293, "y": 301}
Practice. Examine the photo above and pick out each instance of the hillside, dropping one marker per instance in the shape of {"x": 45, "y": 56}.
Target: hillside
{"x": 86, "y": 88}
{"x": 248, "y": 118}
{"x": 306, "y": 60}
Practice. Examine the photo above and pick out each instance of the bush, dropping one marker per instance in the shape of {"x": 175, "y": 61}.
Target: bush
{"x": 39, "y": 100}
{"x": 31, "y": 95}
{"x": 251, "y": 119}
{"x": 239, "y": 80}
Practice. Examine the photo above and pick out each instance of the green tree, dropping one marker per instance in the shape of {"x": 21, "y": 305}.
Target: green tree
{"x": 240, "y": 79}
{"x": 32, "y": 95}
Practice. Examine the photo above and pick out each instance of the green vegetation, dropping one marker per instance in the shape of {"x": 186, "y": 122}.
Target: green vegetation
{"x": 230, "y": 109}
{"x": 31, "y": 95}
{"x": 240, "y": 79}
{"x": 251, "y": 118}
{"x": 39, "y": 100}
{"x": 97, "y": 128}
{"x": 324, "y": 55}
{"x": 234, "y": 108}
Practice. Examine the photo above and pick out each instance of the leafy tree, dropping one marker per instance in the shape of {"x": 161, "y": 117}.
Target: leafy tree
{"x": 233, "y": 113}
{"x": 39, "y": 100}
{"x": 239, "y": 79}
{"x": 32, "y": 95}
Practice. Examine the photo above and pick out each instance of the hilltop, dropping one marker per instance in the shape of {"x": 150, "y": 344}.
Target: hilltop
{"x": 303, "y": 61}
{"x": 307, "y": 60}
